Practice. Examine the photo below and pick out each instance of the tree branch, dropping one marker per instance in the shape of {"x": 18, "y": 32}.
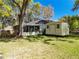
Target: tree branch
{"x": 17, "y": 4}
{"x": 24, "y": 6}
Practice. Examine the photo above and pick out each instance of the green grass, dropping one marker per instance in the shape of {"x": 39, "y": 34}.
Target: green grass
{"x": 40, "y": 47}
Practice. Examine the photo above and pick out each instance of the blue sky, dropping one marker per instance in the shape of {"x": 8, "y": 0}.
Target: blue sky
{"x": 61, "y": 7}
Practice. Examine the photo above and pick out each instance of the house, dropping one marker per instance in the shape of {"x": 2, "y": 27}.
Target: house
{"x": 57, "y": 28}
{"x": 34, "y": 27}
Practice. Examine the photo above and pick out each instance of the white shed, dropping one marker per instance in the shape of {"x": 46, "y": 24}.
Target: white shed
{"x": 57, "y": 28}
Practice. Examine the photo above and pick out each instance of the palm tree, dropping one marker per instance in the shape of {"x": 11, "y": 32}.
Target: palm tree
{"x": 76, "y": 5}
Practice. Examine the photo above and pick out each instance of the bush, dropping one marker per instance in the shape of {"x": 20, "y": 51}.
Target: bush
{"x": 5, "y": 33}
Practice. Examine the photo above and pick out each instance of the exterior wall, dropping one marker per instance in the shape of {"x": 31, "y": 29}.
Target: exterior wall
{"x": 53, "y": 30}
{"x": 29, "y": 33}
{"x": 50, "y": 29}
{"x": 58, "y": 32}
{"x": 65, "y": 29}
{"x": 42, "y": 28}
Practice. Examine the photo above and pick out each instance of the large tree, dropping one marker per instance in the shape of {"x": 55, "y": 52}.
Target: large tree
{"x": 23, "y": 8}
{"x": 21, "y": 5}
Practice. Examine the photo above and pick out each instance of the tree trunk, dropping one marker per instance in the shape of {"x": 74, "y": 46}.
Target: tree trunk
{"x": 20, "y": 26}
{"x": 21, "y": 15}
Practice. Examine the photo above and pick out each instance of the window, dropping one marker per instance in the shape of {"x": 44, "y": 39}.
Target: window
{"x": 31, "y": 28}
{"x": 36, "y": 28}
{"x": 58, "y": 26}
{"x": 25, "y": 29}
{"x": 47, "y": 26}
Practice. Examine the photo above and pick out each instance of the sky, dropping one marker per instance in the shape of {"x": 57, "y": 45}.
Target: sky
{"x": 61, "y": 7}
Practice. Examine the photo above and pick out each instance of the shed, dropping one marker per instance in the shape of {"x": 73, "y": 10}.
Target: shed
{"x": 57, "y": 28}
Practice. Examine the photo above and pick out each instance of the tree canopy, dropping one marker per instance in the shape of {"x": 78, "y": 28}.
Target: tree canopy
{"x": 72, "y": 20}
{"x": 4, "y": 9}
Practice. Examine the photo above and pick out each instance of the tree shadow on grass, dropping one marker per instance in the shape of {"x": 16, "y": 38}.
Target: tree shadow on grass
{"x": 47, "y": 41}
{"x": 71, "y": 41}
{"x": 42, "y": 38}
{"x": 29, "y": 38}
{"x": 58, "y": 38}
{"x": 64, "y": 40}
{"x": 34, "y": 38}
{"x": 6, "y": 40}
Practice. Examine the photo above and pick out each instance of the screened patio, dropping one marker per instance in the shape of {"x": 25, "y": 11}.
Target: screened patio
{"x": 31, "y": 29}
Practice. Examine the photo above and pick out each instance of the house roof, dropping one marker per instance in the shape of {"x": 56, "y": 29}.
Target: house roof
{"x": 43, "y": 21}
{"x": 29, "y": 24}
{"x": 39, "y": 22}
{"x": 50, "y": 23}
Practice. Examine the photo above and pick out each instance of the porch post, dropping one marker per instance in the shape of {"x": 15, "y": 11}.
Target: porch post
{"x": 34, "y": 28}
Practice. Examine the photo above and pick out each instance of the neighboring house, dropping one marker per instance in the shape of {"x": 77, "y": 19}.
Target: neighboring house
{"x": 57, "y": 28}
{"x": 10, "y": 28}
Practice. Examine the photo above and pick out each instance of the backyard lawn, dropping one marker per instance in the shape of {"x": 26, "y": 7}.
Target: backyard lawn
{"x": 40, "y": 47}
